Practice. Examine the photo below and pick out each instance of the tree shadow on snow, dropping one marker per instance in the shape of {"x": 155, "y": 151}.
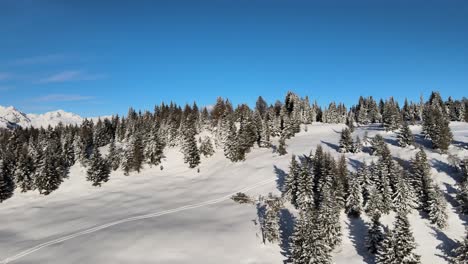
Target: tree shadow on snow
{"x": 331, "y": 145}
{"x": 446, "y": 246}
{"x": 454, "y": 203}
{"x": 392, "y": 142}
{"x": 280, "y": 179}
{"x": 261, "y": 212}
{"x": 406, "y": 164}
{"x": 286, "y": 226}
{"x": 421, "y": 141}
{"x": 356, "y": 164}
{"x": 460, "y": 144}
{"x": 441, "y": 166}
{"x": 357, "y": 234}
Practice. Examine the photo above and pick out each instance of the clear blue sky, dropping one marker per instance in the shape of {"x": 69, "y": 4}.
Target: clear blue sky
{"x": 100, "y": 57}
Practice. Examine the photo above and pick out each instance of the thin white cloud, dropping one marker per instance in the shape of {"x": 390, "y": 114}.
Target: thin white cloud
{"x": 62, "y": 98}
{"x": 66, "y": 76}
{"x": 44, "y": 59}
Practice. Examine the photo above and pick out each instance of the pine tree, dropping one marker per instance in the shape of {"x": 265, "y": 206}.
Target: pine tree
{"x": 24, "y": 172}
{"x": 113, "y": 156}
{"x": 403, "y": 196}
{"x": 271, "y": 222}
{"x": 391, "y": 117}
{"x": 282, "y": 146}
{"x": 437, "y": 207}
{"x": 436, "y": 122}
{"x": 304, "y": 188}
{"x": 357, "y": 145}
{"x": 206, "y": 147}
{"x": 354, "y": 200}
{"x": 386, "y": 251}
{"x": 404, "y": 136}
{"x": 7, "y": 185}
{"x": 462, "y": 197}
{"x": 231, "y": 148}
{"x": 154, "y": 148}
{"x": 375, "y": 204}
{"x": 346, "y": 141}
{"x": 377, "y": 144}
{"x": 375, "y": 235}
{"x": 192, "y": 155}
{"x": 404, "y": 241}
{"x": 422, "y": 181}
{"x": 48, "y": 177}
{"x": 292, "y": 181}
{"x": 460, "y": 253}
{"x": 99, "y": 169}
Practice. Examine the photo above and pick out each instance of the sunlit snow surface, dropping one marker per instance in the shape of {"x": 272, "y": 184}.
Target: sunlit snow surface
{"x": 180, "y": 216}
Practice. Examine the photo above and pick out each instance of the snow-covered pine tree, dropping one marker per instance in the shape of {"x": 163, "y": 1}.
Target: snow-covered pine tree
{"x": 436, "y": 122}
{"x": 404, "y": 241}
{"x": 403, "y": 197}
{"x": 404, "y": 136}
{"x": 7, "y": 185}
{"x": 191, "y": 155}
{"x": 137, "y": 153}
{"x": 377, "y": 144}
{"x": 99, "y": 169}
{"x": 354, "y": 199}
{"x": 462, "y": 197}
{"x": 357, "y": 145}
{"x": 375, "y": 205}
{"x": 422, "y": 180}
{"x": 305, "y": 195}
{"x": 282, "y": 146}
{"x": 292, "y": 181}
{"x": 271, "y": 222}
{"x": 231, "y": 148}
{"x": 391, "y": 117}
{"x": 346, "y": 141}
{"x": 460, "y": 253}
{"x": 386, "y": 251}
{"x": 154, "y": 147}
{"x": 375, "y": 235}
{"x": 437, "y": 207}
{"x": 206, "y": 147}
{"x": 113, "y": 156}
{"x": 24, "y": 171}
{"x": 383, "y": 185}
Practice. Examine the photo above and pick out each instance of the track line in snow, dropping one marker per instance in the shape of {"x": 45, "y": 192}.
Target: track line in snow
{"x": 130, "y": 219}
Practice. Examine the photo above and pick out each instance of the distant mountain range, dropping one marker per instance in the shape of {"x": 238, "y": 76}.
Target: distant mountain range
{"x": 11, "y": 117}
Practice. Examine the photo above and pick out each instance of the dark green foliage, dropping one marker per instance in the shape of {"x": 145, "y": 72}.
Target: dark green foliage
{"x": 99, "y": 169}
{"x": 7, "y": 186}
{"x": 404, "y": 136}
{"x": 346, "y": 141}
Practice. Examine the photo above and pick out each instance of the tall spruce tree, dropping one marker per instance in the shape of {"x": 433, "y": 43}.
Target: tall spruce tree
{"x": 404, "y": 241}
{"x": 386, "y": 250}
{"x": 292, "y": 181}
{"x": 7, "y": 185}
{"x": 99, "y": 169}
{"x": 375, "y": 235}
{"x": 354, "y": 200}
{"x": 404, "y": 136}
{"x": 436, "y": 122}
{"x": 346, "y": 141}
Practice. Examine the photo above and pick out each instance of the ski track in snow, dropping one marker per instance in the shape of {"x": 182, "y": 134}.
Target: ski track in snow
{"x": 131, "y": 219}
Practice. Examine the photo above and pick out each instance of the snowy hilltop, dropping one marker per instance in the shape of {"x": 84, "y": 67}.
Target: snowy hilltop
{"x": 290, "y": 182}
{"x": 11, "y": 117}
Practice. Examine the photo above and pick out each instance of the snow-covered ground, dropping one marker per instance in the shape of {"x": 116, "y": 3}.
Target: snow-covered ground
{"x": 177, "y": 215}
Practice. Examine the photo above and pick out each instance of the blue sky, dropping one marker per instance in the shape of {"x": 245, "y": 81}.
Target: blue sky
{"x": 100, "y": 57}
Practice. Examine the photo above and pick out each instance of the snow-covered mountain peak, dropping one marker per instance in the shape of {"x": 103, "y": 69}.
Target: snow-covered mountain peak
{"x": 11, "y": 117}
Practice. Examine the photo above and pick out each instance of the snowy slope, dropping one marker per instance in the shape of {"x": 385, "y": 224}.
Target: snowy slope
{"x": 11, "y": 117}
{"x": 177, "y": 215}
